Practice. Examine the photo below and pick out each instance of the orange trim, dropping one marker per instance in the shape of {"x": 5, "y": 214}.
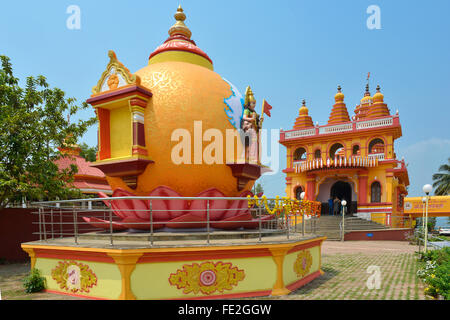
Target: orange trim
{"x": 71, "y": 255}
{"x": 126, "y": 264}
{"x": 139, "y": 150}
{"x": 278, "y": 255}
{"x": 306, "y": 245}
{"x": 226, "y": 296}
{"x": 32, "y": 255}
{"x": 185, "y": 250}
{"x": 299, "y": 283}
{"x": 212, "y": 255}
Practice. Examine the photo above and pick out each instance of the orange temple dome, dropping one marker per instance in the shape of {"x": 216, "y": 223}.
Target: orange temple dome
{"x": 179, "y": 46}
{"x": 339, "y": 112}
{"x": 303, "y": 120}
{"x": 379, "y": 108}
{"x": 363, "y": 107}
{"x": 172, "y": 102}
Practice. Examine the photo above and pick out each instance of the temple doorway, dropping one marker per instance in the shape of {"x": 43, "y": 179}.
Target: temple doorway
{"x": 298, "y": 193}
{"x": 343, "y": 190}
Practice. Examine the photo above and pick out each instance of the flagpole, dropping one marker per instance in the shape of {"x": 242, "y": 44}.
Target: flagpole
{"x": 262, "y": 114}
{"x": 261, "y": 120}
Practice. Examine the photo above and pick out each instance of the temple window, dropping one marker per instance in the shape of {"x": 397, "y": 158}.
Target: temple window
{"x": 375, "y": 192}
{"x": 376, "y": 146}
{"x": 300, "y": 154}
{"x": 336, "y": 150}
{"x": 317, "y": 154}
{"x": 298, "y": 193}
{"x": 355, "y": 150}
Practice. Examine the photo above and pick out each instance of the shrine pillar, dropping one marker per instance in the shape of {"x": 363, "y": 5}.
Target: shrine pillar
{"x": 362, "y": 186}
{"x": 310, "y": 187}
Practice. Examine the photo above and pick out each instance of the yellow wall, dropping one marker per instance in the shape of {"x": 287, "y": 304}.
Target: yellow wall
{"x": 289, "y": 274}
{"x": 121, "y": 132}
{"x": 151, "y": 280}
{"x": 109, "y": 283}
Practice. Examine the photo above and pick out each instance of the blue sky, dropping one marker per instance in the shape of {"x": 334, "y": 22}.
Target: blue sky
{"x": 285, "y": 50}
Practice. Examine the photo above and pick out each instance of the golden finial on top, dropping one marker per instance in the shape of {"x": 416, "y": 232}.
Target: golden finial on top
{"x": 249, "y": 97}
{"x": 179, "y": 27}
{"x": 339, "y": 95}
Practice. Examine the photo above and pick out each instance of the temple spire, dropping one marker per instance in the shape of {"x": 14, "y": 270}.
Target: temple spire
{"x": 379, "y": 108}
{"x": 339, "y": 112}
{"x": 303, "y": 120}
{"x": 179, "y": 28}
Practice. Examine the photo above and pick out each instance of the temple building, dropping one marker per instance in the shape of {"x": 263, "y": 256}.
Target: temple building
{"x": 90, "y": 181}
{"x": 348, "y": 158}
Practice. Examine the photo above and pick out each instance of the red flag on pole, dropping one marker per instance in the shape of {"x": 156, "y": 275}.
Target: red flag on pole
{"x": 266, "y": 108}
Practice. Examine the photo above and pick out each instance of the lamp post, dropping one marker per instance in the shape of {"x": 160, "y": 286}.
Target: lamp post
{"x": 427, "y": 189}
{"x": 302, "y": 195}
{"x": 343, "y": 203}
{"x": 423, "y": 218}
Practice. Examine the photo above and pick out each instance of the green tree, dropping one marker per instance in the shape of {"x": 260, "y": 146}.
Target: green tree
{"x": 257, "y": 188}
{"x": 33, "y": 123}
{"x": 88, "y": 153}
{"x": 442, "y": 180}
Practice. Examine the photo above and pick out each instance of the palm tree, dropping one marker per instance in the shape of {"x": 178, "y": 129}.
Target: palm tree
{"x": 442, "y": 180}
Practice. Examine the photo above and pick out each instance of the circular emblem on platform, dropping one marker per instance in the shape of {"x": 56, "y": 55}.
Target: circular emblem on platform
{"x": 303, "y": 263}
{"x": 207, "y": 277}
{"x": 74, "y": 276}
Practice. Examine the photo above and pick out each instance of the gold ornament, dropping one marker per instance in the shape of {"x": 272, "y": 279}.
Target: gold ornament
{"x": 179, "y": 27}
{"x": 74, "y": 276}
{"x": 249, "y": 97}
{"x": 206, "y": 278}
{"x": 303, "y": 263}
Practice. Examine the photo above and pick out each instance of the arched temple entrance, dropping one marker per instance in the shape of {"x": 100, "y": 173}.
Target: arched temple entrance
{"x": 341, "y": 187}
{"x": 298, "y": 193}
{"x": 342, "y": 190}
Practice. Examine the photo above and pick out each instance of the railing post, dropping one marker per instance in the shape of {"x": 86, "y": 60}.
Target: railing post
{"x": 75, "y": 224}
{"x": 51, "y": 221}
{"x": 40, "y": 224}
{"x": 207, "y": 221}
{"x": 260, "y": 223}
{"x": 295, "y": 221}
{"x": 60, "y": 223}
{"x": 288, "y": 224}
{"x": 110, "y": 226}
{"x": 151, "y": 224}
{"x": 303, "y": 223}
{"x": 43, "y": 224}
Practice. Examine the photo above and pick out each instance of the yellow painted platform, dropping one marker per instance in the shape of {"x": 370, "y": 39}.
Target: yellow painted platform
{"x": 184, "y": 270}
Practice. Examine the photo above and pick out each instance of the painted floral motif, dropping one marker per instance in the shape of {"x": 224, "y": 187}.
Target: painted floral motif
{"x": 303, "y": 263}
{"x": 207, "y": 277}
{"x": 74, "y": 276}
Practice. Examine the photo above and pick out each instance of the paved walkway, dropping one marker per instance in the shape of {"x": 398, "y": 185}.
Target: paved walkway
{"x": 346, "y": 264}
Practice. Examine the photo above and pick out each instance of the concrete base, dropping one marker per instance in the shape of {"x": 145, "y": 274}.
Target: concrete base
{"x": 188, "y": 269}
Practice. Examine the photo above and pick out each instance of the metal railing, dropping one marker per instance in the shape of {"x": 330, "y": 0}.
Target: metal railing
{"x": 377, "y": 223}
{"x": 432, "y": 240}
{"x": 78, "y": 218}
